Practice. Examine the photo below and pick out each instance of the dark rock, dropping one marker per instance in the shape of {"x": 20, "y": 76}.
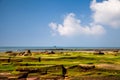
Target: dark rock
{"x": 8, "y": 52}
{"x": 39, "y": 59}
{"x": 3, "y": 77}
{"x": 23, "y": 75}
{"x": 64, "y": 71}
{"x": 12, "y": 54}
{"x": 98, "y": 53}
{"x": 87, "y": 67}
{"x": 21, "y": 53}
{"x": 9, "y": 59}
{"x": 27, "y": 53}
{"x": 51, "y": 52}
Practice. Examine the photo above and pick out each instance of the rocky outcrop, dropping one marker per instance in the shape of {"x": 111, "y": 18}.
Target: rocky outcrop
{"x": 49, "y": 52}
{"x": 8, "y": 52}
{"x": 98, "y": 53}
{"x": 26, "y": 53}
{"x": 86, "y": 67}
{"x": 23, "y": 75}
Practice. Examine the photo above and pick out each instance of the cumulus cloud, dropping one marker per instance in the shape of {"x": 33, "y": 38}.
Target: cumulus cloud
{"x": 53, "y": 26}
{"x": 71, "y": 26}
{"x": 106, "y": 12}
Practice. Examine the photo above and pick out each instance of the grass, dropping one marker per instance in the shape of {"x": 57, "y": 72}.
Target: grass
{"x": 67, "y": 59}
{"x": 94, "y": 72}
{"x": 7, "y": 67}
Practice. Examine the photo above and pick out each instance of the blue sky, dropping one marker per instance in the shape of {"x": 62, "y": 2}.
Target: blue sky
{"x": 60, "y": 22}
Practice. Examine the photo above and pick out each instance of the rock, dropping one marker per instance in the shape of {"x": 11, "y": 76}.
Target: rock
{"x": 86, "y": 67}
{"x": 11, "y": 53}
{"x": 67, "y": 78}
{"x": 52, "y": 52}
{"x": 39, "y": 59}
{"x": 27, "y": 53}
{"x": 23, "y": 75}
{"x": 71, "y": 67}
{"x": 21, "y": 53}
{"x": 49, "y": 52}
{"x": 64, "y": 71}
{"x": 33, "y": 78}
{"x": 9, "y": 59}
{"x": 98, "y": 53}
{"x": 8, "y": 52}
{"x": 3, "y": 77}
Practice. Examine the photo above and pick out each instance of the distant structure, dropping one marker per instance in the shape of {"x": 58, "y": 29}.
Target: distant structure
{"x": 54, "y": 46}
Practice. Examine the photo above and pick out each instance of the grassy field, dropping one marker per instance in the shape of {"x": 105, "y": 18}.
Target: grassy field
{"x": 77, "y": 65}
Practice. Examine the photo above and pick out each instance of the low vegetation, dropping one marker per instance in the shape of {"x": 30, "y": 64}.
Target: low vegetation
{"x": 71, "y": 64}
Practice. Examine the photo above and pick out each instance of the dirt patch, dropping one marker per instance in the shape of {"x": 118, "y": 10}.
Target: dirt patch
{"x": 109, "y": 66}
{"x": 96, "y": 78}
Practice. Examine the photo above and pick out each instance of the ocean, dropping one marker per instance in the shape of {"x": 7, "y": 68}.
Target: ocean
{"x": 4, "y": 49}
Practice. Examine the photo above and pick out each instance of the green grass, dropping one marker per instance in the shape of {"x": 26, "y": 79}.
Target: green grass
{"x": 67, "y": 59}
{"x": 7, "y": 67}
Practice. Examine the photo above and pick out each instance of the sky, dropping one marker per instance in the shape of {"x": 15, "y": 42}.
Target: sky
{"x": 66, "y": 23}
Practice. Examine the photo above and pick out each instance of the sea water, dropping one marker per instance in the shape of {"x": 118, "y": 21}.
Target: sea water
{"x": 4, "y": 49}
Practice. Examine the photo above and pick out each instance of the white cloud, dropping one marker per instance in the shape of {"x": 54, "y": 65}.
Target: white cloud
{"x": 94, "y": 29}
{"x": 106, "y": 12}
{"x": 53, "y": 26}
{"x": 71, "y": 26}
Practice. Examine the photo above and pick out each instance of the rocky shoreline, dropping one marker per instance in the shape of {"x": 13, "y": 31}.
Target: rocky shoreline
{"x": 57, "y": 65}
